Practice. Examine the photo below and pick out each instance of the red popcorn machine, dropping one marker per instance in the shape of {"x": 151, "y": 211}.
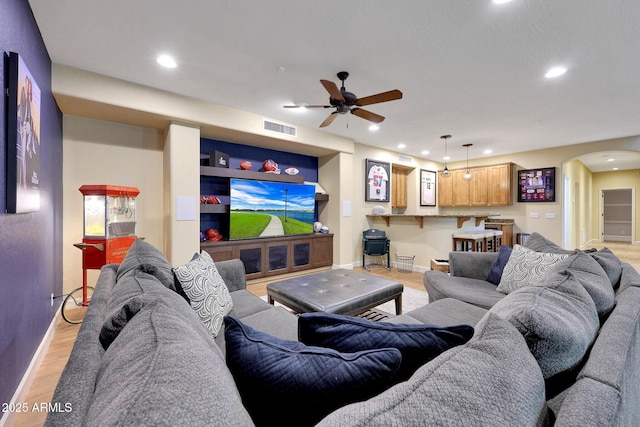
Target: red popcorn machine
{"x": 109, "y": 230}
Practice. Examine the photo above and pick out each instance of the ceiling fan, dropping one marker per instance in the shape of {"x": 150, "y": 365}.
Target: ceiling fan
{"x": 345, "y": 102}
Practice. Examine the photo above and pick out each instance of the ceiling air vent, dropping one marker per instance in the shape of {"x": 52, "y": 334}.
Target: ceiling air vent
{"x": 404, "y": 159}
{"x": 280, "y": 128}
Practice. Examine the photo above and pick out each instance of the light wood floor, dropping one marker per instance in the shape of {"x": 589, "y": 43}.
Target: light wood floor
{"x": 57, "y": 355}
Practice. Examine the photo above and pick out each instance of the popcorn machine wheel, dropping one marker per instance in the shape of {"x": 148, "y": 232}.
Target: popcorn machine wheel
{"x": 108, "y": 232}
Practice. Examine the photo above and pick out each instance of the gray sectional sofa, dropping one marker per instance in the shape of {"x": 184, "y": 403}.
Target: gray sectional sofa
{"x": 603, "y": 387}
{"x": 143, "y": 357}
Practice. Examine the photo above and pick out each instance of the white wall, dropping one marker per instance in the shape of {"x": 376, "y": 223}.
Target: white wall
{"x": 101, "y": 152}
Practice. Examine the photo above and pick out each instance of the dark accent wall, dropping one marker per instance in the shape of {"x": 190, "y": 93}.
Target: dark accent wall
{"x": 30, "y": 244}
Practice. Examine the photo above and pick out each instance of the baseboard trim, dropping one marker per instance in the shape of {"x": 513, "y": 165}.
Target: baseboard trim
{"x": 29, "y": 376}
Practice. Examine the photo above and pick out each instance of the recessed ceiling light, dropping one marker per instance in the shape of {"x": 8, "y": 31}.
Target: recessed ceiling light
{"x": 500, "y": 1}
{"x": 615, "y": 169}
{"x": 488, "y": 151}
{"x": 374, "y": 128}
{"x": 446, "y": 158}
{"x": 424, "y": 152}
{"x": 555, "y": 72}
{"x": 611, "y": 159}
{"x": 401, "y": 146}
{"x": 167, "y": 61}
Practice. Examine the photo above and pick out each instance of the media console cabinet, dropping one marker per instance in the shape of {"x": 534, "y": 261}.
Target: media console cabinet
{"x": 271, "y": 256}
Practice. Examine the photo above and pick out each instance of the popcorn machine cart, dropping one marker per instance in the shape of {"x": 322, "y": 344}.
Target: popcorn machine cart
{"x": 109, "y": 224}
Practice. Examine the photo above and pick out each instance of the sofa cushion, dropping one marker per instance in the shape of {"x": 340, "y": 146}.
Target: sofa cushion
{"x": 610, "y": 263}
{"x": 129, "y": 295}
{"x": 417, "y": 343}
{"x": 593, "y": 278}
{"x": 164, "y": 369}
{"x": 206, "y": 290}
{"x": 495, "y": 274}
{"x": 443, "y": 312}
{"x": 309, "y": 382}
{"x": 525, "y": 267}
{"x": 142, "y": 255}
{"x": 478, "y": 292}
{"x": 557, "y": 318}
{"x": 492, "y": 380}
{"x": 539, "y": 243}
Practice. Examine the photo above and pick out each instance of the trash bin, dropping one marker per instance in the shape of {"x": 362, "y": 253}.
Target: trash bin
{"x": 404, "y": 263}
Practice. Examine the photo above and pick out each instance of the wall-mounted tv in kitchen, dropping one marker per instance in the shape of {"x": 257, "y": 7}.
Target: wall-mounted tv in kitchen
{"x": 267, "y": 208}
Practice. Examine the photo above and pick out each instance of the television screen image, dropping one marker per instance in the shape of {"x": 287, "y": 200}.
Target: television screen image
{"x": 263, "y": 208}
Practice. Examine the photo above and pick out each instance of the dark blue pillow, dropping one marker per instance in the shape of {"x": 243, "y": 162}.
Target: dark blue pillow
{"x": 307, "y": 383}
{"x": 495, "y": 274}
{"x": 418, "y": 344}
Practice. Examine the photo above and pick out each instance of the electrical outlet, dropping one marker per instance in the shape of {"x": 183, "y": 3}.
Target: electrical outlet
{"x": 51, "y": 299}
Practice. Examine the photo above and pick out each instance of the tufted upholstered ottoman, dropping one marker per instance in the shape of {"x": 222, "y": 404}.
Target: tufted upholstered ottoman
{"x": 337, "y": 291}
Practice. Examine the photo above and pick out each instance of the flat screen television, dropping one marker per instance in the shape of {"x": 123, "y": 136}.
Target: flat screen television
{"x": 266, "y": 208}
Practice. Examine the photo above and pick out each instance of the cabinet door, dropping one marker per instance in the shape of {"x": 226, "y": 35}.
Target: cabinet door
{"x": 478, "y": 187}
{"x": 499, "y": 185}
{"x": 322, "y": 251}
{"x": 252, "y": 256}
{"x": 399, "y": 188}
{"x": 277, "y": 258}
{"x": 460, "y": 188}
{"x": 445, "y": 190}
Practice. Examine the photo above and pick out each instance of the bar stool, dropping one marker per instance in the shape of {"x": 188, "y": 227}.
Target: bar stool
{"x": 474, "y": 240}
{"x": 490, "y": 240}
{"x": 497, "y": 236}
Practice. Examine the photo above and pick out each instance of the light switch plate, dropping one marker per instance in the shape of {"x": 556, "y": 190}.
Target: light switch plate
{"x": 550, "y": 215}
{"x": 533, "y": 215}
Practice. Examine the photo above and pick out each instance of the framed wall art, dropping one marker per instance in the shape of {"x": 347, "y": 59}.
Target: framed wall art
{"x": 427, "y": 187}
{"x": 376, "y": 177}
{"x": 23, "y": 138}
{"x": 537, "y": 185}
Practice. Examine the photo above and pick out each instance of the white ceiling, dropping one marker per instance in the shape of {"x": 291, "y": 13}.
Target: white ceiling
{"x": 469, "y": 68}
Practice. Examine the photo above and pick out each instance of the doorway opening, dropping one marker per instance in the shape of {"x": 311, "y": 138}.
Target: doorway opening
{"x": 617, "y": 216}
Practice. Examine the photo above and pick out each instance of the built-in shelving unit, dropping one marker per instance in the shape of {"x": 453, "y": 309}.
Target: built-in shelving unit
{"x": 267, "y": 256}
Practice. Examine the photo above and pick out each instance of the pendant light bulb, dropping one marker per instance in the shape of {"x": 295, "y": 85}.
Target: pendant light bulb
{"x": 467, "y": 176}
{"x": 445, "y": 172}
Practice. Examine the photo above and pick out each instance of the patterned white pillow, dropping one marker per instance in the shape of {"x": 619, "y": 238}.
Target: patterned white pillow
{"x": 206, "y": 290}
{"x": 525, "y": 267}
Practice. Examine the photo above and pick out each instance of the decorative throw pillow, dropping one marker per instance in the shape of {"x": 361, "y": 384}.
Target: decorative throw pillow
{"x": 610, "y": 264}
{"x": 557, "y": 318}
{"x": 492, "y": 380}
{"x": 593, "y": 278}
{"x": 417, "y": 343}
{"x": 144, "y": 256}
{"x": 495, "y": 273}
{"x": 206, "y": 290}
{"x": 525, "y": 267}
{"x": 310, "y": 382}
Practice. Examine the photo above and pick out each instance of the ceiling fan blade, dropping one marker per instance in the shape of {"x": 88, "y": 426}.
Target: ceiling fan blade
{"x": 391, "y": 95}
{"x": 367, "y": 115}
{"x": 333, "y": 90}
{"x": 329, "y": 119}
{"x": 307, "y": 106}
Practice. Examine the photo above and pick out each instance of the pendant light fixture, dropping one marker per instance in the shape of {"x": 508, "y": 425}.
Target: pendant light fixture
{"x": 467, "y": 176}
{"x": 445, "y": 172}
